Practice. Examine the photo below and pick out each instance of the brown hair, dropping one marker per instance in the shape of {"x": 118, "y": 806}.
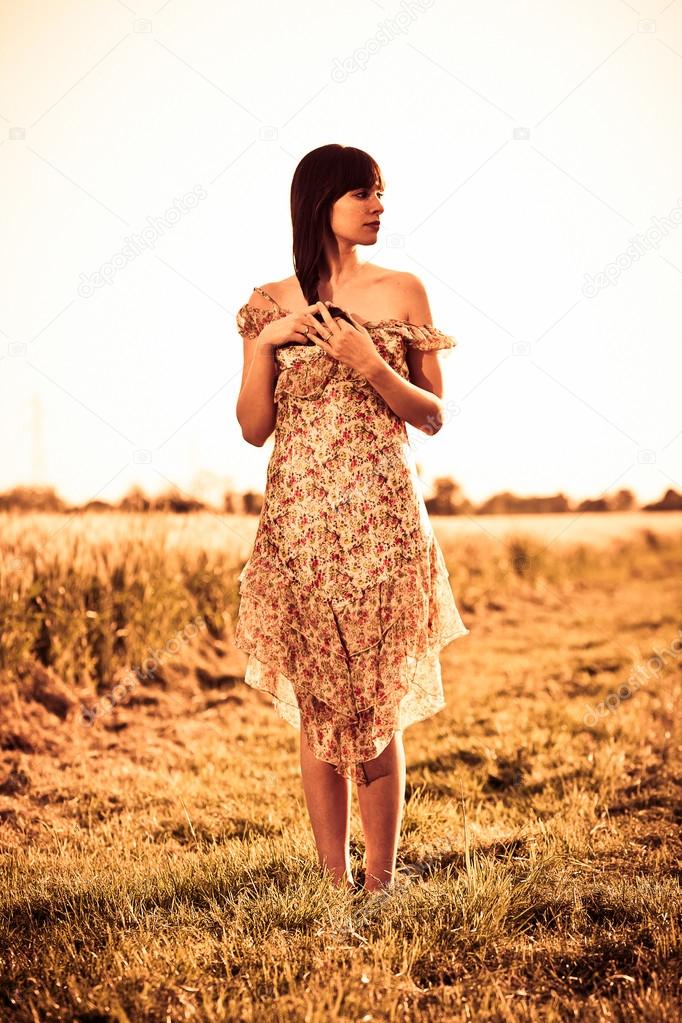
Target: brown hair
{"x": 322, "y": 177}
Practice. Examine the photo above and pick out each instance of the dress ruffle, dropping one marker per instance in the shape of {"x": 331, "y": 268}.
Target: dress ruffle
{"x": 251, "y": 320}
{"x": 427, "y": 338}
{"x": 354, "y": 673}
{"x": 304, "y": 371}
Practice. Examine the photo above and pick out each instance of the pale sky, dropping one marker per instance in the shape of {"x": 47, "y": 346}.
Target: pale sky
{"x": 527, "y": 149}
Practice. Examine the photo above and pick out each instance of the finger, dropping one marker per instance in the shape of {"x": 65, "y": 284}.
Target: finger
{"x": 358, "y": 326}
{"x": 321, "y": 343}
{"x": 324, "y": 332}
{"x": 301, "y": 327}
{"x": 307, "y": 317}
{"x": 312, "y": 322}
{"x": 327, "y": 317}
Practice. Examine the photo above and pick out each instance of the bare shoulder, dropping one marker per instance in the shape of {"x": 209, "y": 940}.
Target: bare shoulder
{"x": 282, "y": 291}
{"x": 276, "y": 289}
{"x": 410, "y": 283}
{"x": 404, "y": 281}
{"x": 388, "y": 276}
{"x": 416, "y": 299}
{"x": 398, "y": 288}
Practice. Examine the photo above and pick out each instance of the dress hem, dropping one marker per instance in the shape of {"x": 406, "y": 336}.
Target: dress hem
{"x": 291, "y": 713}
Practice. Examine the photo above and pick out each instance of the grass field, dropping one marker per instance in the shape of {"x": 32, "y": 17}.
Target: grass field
{"x": 157, "y": 861}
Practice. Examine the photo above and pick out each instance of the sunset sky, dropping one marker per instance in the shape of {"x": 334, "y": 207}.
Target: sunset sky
{"x": 532, "y": 157}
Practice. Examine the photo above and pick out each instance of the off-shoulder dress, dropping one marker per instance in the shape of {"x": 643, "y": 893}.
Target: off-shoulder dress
{"x": 345, "y": 601}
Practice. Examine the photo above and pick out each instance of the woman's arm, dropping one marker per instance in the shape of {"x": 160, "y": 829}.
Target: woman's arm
{"x": 419, "y": 401}
{"x": 256, "y": 409}
{"x": 418, "y": 407}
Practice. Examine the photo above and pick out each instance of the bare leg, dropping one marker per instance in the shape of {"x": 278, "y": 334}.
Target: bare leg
{"x": 381, "y": 806}
{"x": 328, "y": 798}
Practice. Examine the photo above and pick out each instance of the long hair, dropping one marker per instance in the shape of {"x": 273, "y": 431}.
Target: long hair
{"x": 322, "y": 177}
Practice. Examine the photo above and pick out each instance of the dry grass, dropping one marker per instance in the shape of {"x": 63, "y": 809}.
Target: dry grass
{"x": 158, "y": 864}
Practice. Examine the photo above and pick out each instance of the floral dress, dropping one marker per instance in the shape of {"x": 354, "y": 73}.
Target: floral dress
{"x": 345, "y": 600}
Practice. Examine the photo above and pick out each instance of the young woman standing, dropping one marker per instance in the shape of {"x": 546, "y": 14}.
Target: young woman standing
{"x": 345, "y": 600}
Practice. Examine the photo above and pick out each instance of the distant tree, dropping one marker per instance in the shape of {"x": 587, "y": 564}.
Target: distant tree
{"x": 498, "y": 504}
{"x": 599, "y": 504}
{"x": 252, "y": 503}
{"x": 31, "y": 498}
{"x": 444, "y": 498}
{"x": 671, "y": 501}
{"x": 466, "y": 507}
{"x": 173, "y": 501}
{"x": 135, "y": 500}
{"x": 624, "y": 500}
{"x": 97, "y": 506}
{"x": 511, "y": 504}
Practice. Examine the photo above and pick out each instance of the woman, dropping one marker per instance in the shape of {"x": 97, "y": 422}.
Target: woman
{"x": 345, "y": 601}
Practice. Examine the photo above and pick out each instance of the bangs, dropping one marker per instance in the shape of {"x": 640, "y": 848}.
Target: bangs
{"x": 354, "y": 168}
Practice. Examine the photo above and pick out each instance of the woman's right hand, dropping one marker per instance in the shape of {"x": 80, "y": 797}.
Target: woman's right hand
{"x": 291, "y": 328}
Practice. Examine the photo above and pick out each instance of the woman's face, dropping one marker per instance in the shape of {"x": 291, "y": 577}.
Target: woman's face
{"x": 353, "y": 213}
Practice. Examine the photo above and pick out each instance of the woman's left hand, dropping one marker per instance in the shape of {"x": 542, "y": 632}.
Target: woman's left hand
{"x": 351, "y": 345}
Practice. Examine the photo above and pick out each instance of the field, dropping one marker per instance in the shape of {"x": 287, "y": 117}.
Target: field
{"x": 157, "y": 861}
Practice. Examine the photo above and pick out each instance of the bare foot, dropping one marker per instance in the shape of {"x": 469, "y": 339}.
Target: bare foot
{"x": 344, "y": 882}
{"x": 376, "y": 887}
